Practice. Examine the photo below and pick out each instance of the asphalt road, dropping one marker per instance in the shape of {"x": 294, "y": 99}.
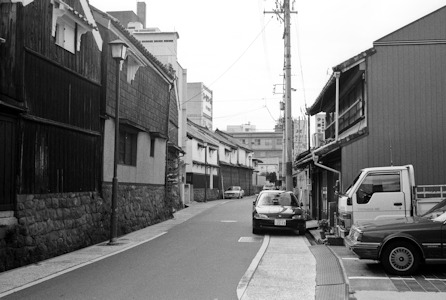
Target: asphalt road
{"x": 203, "y": 258}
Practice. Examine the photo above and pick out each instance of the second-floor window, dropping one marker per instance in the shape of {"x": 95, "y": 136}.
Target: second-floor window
{"x": 65, "y": 34}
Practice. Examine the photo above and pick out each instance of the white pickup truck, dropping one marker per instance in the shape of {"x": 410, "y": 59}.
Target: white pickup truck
{"x": 385, "y": 192}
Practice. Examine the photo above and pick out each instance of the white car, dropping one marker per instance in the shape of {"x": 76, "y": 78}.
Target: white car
{"x": 234, "y": 192}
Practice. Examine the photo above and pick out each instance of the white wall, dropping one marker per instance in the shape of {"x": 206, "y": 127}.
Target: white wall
{"x": 149, "y": 170}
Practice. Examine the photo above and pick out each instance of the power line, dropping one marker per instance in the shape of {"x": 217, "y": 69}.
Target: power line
{"x": 227, "y": 70}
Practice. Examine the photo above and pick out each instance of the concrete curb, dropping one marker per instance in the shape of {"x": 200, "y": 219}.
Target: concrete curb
{"x": 244, "y": 282}
{"x": 344, "y": 274}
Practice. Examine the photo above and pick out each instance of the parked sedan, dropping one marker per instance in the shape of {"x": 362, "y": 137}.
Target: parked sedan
{"x": 278, "y": 210}
{"x": 234, "y": 192}
{"x": 401, "y": 245}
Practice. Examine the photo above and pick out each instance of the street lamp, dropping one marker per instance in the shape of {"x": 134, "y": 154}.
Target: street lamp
{"x": 118, "y": 51}
{"x": 205, "y": 145}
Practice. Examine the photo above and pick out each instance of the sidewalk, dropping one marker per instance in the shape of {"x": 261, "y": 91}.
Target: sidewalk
{"x": 287, "y": 267}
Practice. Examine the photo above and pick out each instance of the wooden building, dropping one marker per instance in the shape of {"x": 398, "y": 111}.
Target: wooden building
{"x": 57, "y": 101}
{"x": 391, "y": 111}
{"x": 50, "y": 157}
{"x": 148, "y": 126}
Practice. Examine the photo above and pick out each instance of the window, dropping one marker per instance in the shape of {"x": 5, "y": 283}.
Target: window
{"x": 279, "y": 142}
{"x": 65, "y": 34}
{"x": 152, "y": 147}
{"x": 127, "y": 147}
{"x": 257, "y": 141}
{"x": 268, "y": 142}
{"x": 377, "y": 183}
{"x": 68, "y": 25}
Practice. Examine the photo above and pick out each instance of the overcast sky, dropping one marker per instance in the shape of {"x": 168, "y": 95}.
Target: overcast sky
{"x": 237, "y": 51}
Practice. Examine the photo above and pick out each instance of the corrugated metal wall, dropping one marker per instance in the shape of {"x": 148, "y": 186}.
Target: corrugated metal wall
{"x": 406, "y": 113}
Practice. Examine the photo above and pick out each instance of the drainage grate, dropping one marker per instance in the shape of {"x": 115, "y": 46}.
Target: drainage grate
{"x": 250, "y": 239}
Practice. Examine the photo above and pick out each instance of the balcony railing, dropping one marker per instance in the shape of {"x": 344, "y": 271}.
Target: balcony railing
{"x": 346, "y": 119}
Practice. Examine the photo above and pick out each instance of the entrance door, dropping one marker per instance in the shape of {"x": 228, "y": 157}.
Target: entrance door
{"x": 7, "y": 158}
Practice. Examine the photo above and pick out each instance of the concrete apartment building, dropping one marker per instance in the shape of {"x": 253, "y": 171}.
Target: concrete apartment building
{"x": 267, "y": 147}
{"x": 241, "y": 128}
{"x": 199, "y": 104}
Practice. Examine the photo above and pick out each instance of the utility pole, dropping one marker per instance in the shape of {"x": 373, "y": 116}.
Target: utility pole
{"x": 288, "y": 118}
{"x": 288, "y": 163}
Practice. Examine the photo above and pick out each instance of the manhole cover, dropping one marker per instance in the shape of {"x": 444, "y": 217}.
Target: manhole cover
{"x": 250, "y": 239}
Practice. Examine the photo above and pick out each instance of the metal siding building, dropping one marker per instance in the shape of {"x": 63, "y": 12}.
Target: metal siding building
{"x": 406, "y": 108}
{"x": 397, "y": 117}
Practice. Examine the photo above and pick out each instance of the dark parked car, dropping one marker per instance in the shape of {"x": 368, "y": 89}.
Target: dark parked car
{"x": 401, "y": 244}
{"x": 278, "y": 210}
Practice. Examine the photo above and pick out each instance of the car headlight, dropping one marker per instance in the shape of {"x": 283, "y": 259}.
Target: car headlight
{"x": 260, "y": 216}
{"x": 297, "y": 217}
{"x": 356, "y": 235}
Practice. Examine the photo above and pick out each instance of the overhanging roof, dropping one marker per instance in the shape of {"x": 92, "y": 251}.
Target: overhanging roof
{"x": 347, "y": 70}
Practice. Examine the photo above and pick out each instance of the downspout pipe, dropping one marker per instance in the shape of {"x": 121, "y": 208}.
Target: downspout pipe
{"x": 326, "y": 168}
{"x": 337, "y": 76}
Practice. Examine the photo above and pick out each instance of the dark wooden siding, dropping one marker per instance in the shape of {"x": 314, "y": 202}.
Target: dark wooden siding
{"x": 7, "y": 160}
{"x": 57, "y": 160}
{"x": 55, "y": 93}
{"x": 37, "y": 37}
{"x": 406, "y": 113}
{"x": 61, "y": 131}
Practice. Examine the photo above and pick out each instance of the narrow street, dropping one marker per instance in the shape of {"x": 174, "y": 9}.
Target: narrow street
{"x": 203, "y": 258}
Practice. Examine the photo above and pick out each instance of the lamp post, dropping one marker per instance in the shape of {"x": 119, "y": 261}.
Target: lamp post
{"x": 205, "y": 171}
{"x": 118, "y": 51}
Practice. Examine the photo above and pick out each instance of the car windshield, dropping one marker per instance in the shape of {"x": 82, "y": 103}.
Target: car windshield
{"x": 234, "y": 188}
{"x": 283, "y": 199}
{"x": 353, "y": 183}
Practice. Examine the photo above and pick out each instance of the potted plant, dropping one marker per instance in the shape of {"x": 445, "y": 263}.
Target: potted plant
{"x": 324, "y": 227}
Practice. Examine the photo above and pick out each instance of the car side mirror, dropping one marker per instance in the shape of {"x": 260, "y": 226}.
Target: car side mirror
{"x": 349, "y": 201}
{"x": 254, "y": 202}
{"x": 337, "y": 187}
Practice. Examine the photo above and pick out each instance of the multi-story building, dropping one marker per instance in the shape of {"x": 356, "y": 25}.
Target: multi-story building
{"x": 241, "y": 128}
{"x": 163, "y": 46}
{"x": 267, "y": 147}
{"x": 199, "y": 104}
{"x": 403, "y": 72}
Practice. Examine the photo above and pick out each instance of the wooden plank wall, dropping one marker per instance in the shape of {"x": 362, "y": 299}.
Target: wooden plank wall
{"x": 55, "y": 93}
{"x": 57, "y": 160}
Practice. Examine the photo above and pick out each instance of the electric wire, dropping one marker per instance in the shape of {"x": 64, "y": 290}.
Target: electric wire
{"x": 230, "y": 67}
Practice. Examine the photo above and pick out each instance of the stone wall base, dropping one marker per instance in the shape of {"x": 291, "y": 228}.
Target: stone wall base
{"x": 49, "y": 225}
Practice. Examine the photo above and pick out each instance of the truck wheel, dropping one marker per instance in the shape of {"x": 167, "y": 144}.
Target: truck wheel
{"x": 400, "y": 258}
